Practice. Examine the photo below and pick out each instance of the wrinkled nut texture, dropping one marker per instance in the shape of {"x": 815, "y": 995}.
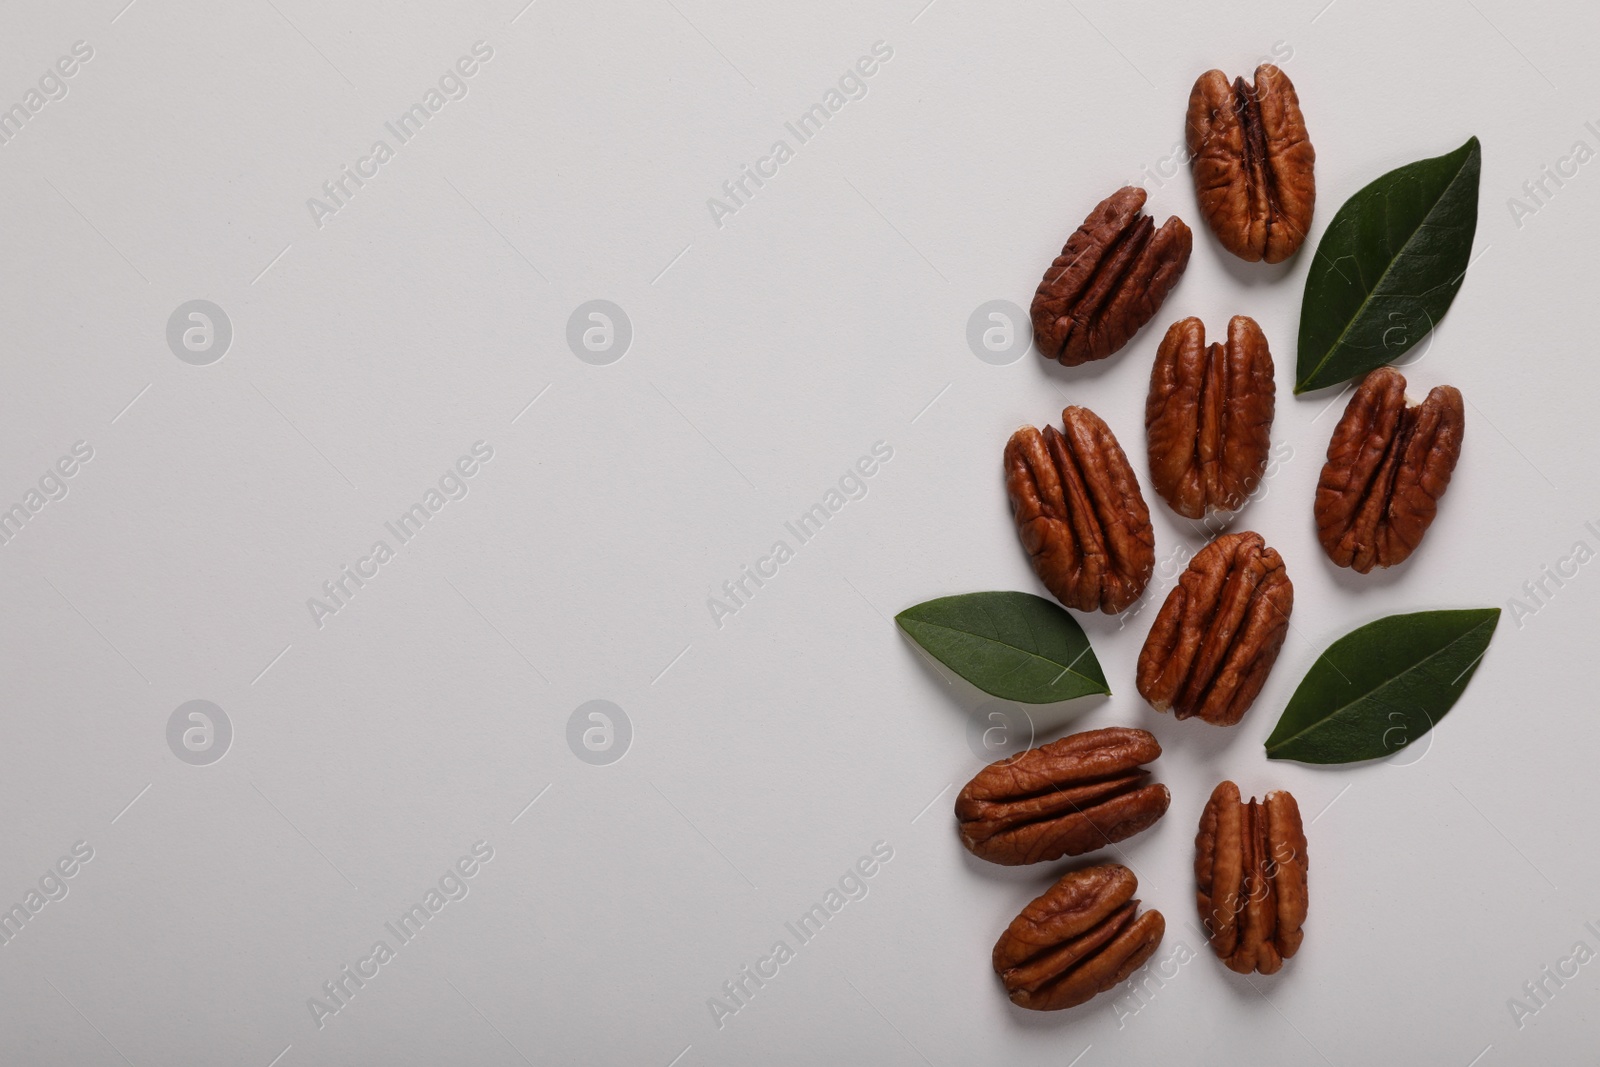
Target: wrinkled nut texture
{"x": 1253, "y": 164}
{"x": 1388, "y": 465}
{"x": 1208, "y": 417}
{"x": 1083, "y": 936}
{"x": 1250, "y": 878}
{"x": 1079, "y": 512}
{"x": 1109, "y": 280}
{"x": 1219, "y": 632}
{"x": 1062, "y": 799}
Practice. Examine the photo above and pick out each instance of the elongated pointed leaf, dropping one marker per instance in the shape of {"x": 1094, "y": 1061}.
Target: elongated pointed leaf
{"x": 1380, "y": 687}
{"x": 1013, "y": 645}
{"x": 1388, "y": 267}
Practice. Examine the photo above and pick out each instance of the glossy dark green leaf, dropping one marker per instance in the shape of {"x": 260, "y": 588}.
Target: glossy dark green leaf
{"x": 1014, "y": 645}
{"x": 1383, "y": 686}
{"x": 1388, "y": 267}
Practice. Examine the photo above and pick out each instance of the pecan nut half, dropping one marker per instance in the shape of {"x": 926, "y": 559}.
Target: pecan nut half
{"x": 1250, "y": 878}
{"x": 1066, "y": 798}
{"x": 1109, "y": 280}
{"x": 1208, "y": 417}
{"x": 1253, "y": 164}
{"x": 1388, "y": 465}
{"x": 1083, "y": 936}
{"x": 1079, "y": 512}
{"x": 1219, "y": 632}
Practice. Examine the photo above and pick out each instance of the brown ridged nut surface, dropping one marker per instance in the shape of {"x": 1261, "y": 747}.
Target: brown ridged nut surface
{"x": 1219, "y": 631}
{"x": 1109, "y": 280}
{"x": 1254, "y": 167}
{"x": 1208, "y": 417}
{"x": 1388, "y": 465}
{"x": 1250, "y": 878}
{"x": 1081, "y": 937}
{"x": 1066, "y": 798}
{"x": 1079, "y": 512}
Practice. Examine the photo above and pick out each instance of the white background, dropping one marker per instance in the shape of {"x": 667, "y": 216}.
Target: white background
{"x": 768, "y": 354}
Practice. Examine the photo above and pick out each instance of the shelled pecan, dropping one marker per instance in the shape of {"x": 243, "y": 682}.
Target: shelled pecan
{"x": 1109, "y": 280}
{"x": 1208, "y": 417}
{"x": 1253, "y": 164}
{"x": 1219, "y": 631}
{"x": 1079, "y": 512}
{"x": 1066, "y": 798}
{"x": 1083, "y": 936}
{"x": 1250, "y": 878}
{"x": 1388, "y": 465}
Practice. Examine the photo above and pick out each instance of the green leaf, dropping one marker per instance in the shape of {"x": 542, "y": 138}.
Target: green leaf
{"x": 1380, "y": 687}
{"x": 1013, "y": 645}
{"x": 1388, "y": 267}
